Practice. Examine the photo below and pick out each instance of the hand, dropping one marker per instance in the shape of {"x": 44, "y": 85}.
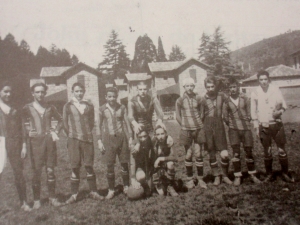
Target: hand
{"x": 157, "y": 161}
{"x": 54, "y": 136}
{"x": 130, "y": 142}
{"x": 135, "y": 149}
{"x": 170, "y": 141}
{"x": 137, "y": 128}
{"x": 101, "y": 147}
{"x": 24, "y": 152}
{"x": 33, "y": 133}
{"x": 135, "y": 184}
{"x": 277, "y": 114}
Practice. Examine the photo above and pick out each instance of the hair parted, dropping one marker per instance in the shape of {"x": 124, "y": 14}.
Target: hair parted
{"x": 232, "y": 80}
{"x": 40, "y": 84}
{"x": 77, "y": 84}
{"x": 5, "y": 84}
{"x": 111, "y": 89}
{"x": 159, "y": 127}
{"x": 210, "y": 80}
{"x": 263, "y": 72}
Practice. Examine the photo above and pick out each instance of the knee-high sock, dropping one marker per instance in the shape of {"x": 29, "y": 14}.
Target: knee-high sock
{"x": 250, "y": 160}
{"x": 91, "y": 178}
{"x": 75, "y": 179}
{"x": 125, "y": 174}
{"x": 189, "y": 168}
{"x": 268, "y": 165}
{"x": 36, "y": 184}
{"x": 111, "y": 176}
{"x": 20, "y": 184}
{"x": 51, "y": 181}
{"x": 199, "y": 166}
{"x": 214, "y": 167}
{"x": 283, "y": 160}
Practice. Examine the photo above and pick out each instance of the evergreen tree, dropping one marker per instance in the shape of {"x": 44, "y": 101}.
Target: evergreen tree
{"x": 74, "y": 60}
{"x": 145, "y": 52}
{"x": 161, "y": 56}
{"x": 176, "y": 54}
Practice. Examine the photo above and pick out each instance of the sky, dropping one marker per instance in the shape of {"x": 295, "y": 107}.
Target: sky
{"x": 83, "y": 26}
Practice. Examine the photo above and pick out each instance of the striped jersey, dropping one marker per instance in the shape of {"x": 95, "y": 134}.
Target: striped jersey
{"x": 41, "y": 123}
{"x": 237, "y": 116}
{"x": 79, "y": 126}
{"x": 188, "y": 112}
{"x": 112, "y": 120}
{"x": 141, "y": 110}
{"x": 212, "y": 107}
{"x": 11, "y": 124}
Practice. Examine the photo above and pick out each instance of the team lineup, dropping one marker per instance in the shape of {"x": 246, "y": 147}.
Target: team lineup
{"x": 145, "y": 152}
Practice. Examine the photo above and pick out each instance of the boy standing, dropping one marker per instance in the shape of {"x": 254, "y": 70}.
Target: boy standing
{"x": 214, "y": 129}
{"x": 11, "y": 142}
{"x": 237, "y": 116}
{"x": 188, "y": 115}
{"x": 267, "y": 106}
{"x": 113, "y": 138}
{"x": 41, "y": 139}
{"x": 78, "y": 120}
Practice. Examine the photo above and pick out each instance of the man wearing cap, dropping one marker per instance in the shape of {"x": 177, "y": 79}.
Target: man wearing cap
{"x": 267, "y": 106}
{"x": 188, "y": 115}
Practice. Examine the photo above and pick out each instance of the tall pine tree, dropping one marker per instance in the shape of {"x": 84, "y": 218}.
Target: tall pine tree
{"x": 161, "y": 56}
{"x": 145, "y": 52}
{"x": 176, "y": 54}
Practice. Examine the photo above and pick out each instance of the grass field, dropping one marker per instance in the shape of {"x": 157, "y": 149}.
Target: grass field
{"x": 272, "y": 203}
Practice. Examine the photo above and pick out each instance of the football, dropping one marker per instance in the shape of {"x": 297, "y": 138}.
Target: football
{"x": 135, "y": 194}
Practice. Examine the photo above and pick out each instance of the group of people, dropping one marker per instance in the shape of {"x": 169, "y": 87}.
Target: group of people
{"x": 128, "y": 132}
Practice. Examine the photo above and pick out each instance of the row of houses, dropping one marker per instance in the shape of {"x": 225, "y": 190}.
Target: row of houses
{"x": 164, "y": 79}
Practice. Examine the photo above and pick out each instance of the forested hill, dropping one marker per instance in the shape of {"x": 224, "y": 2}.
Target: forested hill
{"x": 268, "y": 52}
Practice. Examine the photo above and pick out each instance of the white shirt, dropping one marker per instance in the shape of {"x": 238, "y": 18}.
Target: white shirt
{"x": 264, "y": 103}
{"x": 5, "y": 108}
{"x": 79, "y": 105}
{"x": 235, "y": 101}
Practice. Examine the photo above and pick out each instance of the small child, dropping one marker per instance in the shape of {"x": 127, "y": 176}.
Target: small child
{"x": 164, "y": 171}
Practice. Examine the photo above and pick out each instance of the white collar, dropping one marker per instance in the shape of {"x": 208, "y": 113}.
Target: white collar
{"x": 5, "y": 108}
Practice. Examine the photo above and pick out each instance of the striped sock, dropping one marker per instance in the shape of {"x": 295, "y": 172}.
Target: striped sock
{"x": 199, "y": 166}
{"x": 189, "y": 167}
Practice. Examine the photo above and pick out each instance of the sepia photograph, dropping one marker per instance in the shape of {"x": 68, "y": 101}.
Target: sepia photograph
{"x": 150, "y": 112}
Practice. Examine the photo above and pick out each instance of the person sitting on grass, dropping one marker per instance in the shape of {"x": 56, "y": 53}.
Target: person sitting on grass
{"x": 113, "y": 138}
{"x": 78, "y": 119}
{"x": 142, "y": 163}
{"x": 41, "y": 139}
{"x": 11, "y": 142}
{"x": 164, "y": 169}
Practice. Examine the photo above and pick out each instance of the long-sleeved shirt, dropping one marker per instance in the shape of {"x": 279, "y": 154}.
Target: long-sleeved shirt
{"x": 141, "y": 110}
{"x": 212, "y": 107}
{"x": 79, "y": 125}
{"x": 40, "y": 123}
{"x": 238, "y": 116}
{"x": 11, "y": 124}
{"x": 111, "y": 121}
{"x": 188, "y": 112}
{"x": 163, "y": 150}
{"x": 264, "y": 103}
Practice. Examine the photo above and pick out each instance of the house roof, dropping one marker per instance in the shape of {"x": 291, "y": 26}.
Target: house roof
{"x": 168, "y": 66}
{"x": 106, "y": 66}
{"x": 61, "y": 71}
{"x": 174, "y": 89}
{"x": 119, "y": 82}
{"x": 295, "y": 53}
{"x": 53, "y": 71}
{"x": 61, "y": 96}
{"x": 137, "y": 76}
{"x": 277, "y": 71}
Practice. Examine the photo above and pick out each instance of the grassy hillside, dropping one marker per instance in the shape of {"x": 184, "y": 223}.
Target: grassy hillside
{"x": 268, "y": 52}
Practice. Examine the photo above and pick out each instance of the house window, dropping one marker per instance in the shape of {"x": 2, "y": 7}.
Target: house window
{"x": 193, "y": 74}
{"x": 80, "y": 79}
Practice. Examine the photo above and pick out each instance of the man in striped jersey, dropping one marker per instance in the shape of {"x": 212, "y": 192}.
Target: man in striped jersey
{"x": 214, "y": 129}
{"x": 188, "y": 115}
{"x": 267, "y": 106}
{"x": 41, "y": 137}
{"x": 237, "y": 116}
{"x": 113, "y": 138}
{"x": 78, "y": 121}
{"x": 11, "y": 141}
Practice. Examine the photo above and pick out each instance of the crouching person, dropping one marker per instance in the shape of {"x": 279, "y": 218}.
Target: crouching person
{"x": 141, "y": 167}
{"x": 164, "y": 168}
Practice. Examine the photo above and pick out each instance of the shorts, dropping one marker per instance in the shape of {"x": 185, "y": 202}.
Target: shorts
{"x": 116, "y": 145}
{"x": 275, "y": 131}
{"x": 238, "y": 136}
{"x": 43, "y": 152}
{"x": 80, "y": 151}
{"x": 215, "y": 134}
{"x": 187, "y": 137}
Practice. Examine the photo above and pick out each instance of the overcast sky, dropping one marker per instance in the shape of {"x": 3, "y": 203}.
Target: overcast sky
{"x": 83, "y": 26}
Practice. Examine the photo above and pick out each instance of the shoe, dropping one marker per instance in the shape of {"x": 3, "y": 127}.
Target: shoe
{"x": 190, "y": 184}
{"x": 94, "y": 195}
{"x": 217, "y": 181}
{"x": 110, "y": 194}
{"x": 26, "y": 207}
{"x": 268, "y": 178}
{"x": 226, "y": 180}
{"x": 237, "y": 181}
{"x": 255, "y": 179}
{"x": 201, "y": 183}
{"x": 171, "y": 191}
{"x": 159, "y": 189}
{"x": 55, "y": 202}
{"x": 37, "y": 204}
{"x": 71, "y": 200}
{"x": 286, "y": 178}
{"x": 125, "y": 189}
